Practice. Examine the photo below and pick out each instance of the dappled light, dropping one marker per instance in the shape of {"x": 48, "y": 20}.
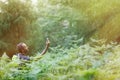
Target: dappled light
{"x": 59, "y": 39}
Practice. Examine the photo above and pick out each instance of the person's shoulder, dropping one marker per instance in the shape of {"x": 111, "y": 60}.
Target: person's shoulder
{"x": 15, "y": 57}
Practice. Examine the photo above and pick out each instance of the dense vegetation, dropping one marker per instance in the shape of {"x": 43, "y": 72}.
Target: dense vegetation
{"x": 92, "y": 61}
{"x": 63, "y": 21}
{"x": 84, "y": 37}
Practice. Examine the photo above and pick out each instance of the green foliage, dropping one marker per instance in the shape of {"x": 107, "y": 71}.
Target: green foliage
{"x": 102, "y": 19}
{"x": 68, "y": 24}
{"x": 92, "y": 61}
{"x": 62, "y": 24}
{"x": 15, "y": 17}
{"x": 63, "y": 21}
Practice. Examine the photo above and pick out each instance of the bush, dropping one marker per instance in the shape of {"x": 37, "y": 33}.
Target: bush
{"x": 87, "y": 62}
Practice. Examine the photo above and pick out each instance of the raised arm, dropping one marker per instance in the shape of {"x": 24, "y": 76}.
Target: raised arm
{"x": 44, "y": 51}
{"x": 46, "y": 47}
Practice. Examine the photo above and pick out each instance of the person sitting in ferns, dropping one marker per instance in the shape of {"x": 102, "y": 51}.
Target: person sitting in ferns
{"x": 23, "y": 51}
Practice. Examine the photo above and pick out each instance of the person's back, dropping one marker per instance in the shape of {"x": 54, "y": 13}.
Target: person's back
{"x": 22, "y": 57}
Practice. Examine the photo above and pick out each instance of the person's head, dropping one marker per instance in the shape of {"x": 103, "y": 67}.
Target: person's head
{"x": 22, "y": 48}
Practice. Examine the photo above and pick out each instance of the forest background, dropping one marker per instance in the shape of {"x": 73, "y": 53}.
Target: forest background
{"x": 64, "y": 22}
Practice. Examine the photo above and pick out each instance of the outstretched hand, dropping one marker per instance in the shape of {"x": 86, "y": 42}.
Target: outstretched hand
{"x": 47, "y": 42}
{"x": 44, "y": 51}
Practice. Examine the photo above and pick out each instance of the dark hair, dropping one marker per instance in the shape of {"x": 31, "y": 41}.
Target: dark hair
{"x": 21, "y": 47}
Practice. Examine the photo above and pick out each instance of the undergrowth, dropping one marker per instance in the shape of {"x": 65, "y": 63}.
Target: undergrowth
{"x": 92, "y": 61}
